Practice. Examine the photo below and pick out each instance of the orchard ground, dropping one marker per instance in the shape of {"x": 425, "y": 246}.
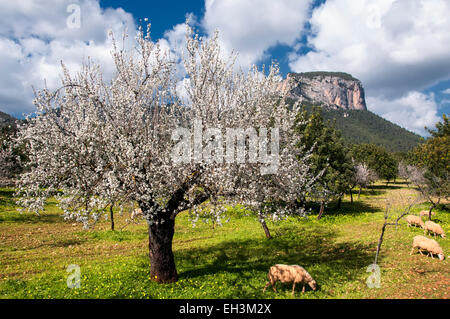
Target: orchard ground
{"x": 231, "y": 261}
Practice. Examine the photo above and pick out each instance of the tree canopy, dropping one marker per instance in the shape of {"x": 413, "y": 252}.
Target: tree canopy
{"x": 137, "y": 138}
{"x": 377, "y": 158}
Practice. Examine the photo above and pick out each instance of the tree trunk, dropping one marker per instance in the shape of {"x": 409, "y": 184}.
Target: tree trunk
{"x": 162, "y": 263}
{"x": 339, "y": 203}
{"x": 351, "y": 196}
{"x": 432, "y": 207}
{"x": 321, "y": 210}
{"x": 112, "y": 216}
{"x": 359, "y": 192}
{"x": 264, "y": 226}
{"x": 380, "y": 241}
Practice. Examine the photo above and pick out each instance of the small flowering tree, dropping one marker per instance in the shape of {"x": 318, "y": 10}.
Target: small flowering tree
{"x": 134, "y": 138}
{"x": 404, "y": 171}
{"x": 362, "y": 176}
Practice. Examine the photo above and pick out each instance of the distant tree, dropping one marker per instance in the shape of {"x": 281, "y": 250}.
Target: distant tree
{"x": 377, "y": 158}
{"x": 432, "y": 161}
{"x": 405, "y": 171}
{"x": 362, "y": 176}
{"x": 329, "y": 155}
{"x": 442, "y": 128}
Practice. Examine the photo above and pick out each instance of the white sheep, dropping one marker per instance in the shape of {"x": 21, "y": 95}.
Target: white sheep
{"x": 414, "y": 221}
{"x": 436, "y": 229}
{"x": 429, "y": 245}
{"x": 136, "y": 213}
{"x": 426, "y": 213}
{"x": 292, "y": 273}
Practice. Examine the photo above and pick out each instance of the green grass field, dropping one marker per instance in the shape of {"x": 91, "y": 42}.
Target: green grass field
{"x": 231, "y": 261}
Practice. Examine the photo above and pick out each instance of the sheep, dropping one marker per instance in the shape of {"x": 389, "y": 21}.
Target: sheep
{"x": 436, "y": 229}
{"x": 414, "y": 220}
{"x": 429, "y": 245}
{"x": 136, "y": 213}
{"x": 292, "y": 273}
{"x": 426, "y": 213}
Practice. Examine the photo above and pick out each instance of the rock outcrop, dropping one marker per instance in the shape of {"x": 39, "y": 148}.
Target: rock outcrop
{"x": 330, "y": 89}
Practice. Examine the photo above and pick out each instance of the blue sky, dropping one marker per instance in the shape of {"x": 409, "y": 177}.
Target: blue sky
{"x": 164, "y": 15}
{"x": 397, "y": 48}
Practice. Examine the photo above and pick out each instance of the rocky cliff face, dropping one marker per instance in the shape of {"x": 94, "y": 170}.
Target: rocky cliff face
{"x": 330, "y": 89}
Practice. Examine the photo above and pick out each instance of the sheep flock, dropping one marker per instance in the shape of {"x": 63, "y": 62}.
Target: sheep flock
{"x": 425, "y": 244}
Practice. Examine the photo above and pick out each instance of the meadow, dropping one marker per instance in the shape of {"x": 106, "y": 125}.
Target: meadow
{"x": 229, "y": 261}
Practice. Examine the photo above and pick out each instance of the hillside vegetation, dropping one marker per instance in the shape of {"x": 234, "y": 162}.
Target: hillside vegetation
{"x": 365, "y": 127}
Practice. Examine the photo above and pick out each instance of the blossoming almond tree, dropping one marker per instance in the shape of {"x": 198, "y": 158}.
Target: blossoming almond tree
{"x": 362, "y": 176}
{"x": 96, "y": 142}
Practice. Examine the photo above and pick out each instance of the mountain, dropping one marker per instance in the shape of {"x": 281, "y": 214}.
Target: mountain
{"x": 342, "y": 100}
{"x": 330, "y": 89}
{"x": 360, "y": 126}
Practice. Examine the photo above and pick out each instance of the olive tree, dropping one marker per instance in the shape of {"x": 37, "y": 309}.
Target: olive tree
{"x": 135, "y": 138}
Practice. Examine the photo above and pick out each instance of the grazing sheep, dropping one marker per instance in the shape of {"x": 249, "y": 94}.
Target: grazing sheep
{"x": 414, "y": 220}
{"x": 293, "y": 273}
{"x": 136, "y": 213}
{"x": 431, "y": 246}
{"x": 426, "y": 213}
{"x": 436, "y": 229}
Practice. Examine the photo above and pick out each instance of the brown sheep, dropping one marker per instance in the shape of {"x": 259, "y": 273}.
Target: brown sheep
{"x": 285, "y": 274}
{"x": 436, "y": 229}
{"x": 429, "y": 245}
{"x": 414, "y": 221}
{"x": 426, "y": 213}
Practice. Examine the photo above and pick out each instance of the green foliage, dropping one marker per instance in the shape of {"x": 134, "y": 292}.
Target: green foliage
{"x": 365, "y": 127}
{"x": 329, "y": 151}
{"x": 442, "y": 128}
{"x": 434, "y": 156}
{"x": 377, "y": 158}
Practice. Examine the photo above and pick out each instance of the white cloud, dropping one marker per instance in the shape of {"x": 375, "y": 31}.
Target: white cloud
{"x": 174, "y": 41}
{"x": 447, "y": 91}
{"x": 396, "y": 47}
{"x": 251, "y": 27}
{"x": 412, "y": 111}
{"x": 34, "y": 38}
{"x": 392, "y": 46}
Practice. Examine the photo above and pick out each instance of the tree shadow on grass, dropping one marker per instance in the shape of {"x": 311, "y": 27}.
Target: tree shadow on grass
{"x": 347, "y": 209}
{"x": 384, "y": 186}
{"x": 16, "y": 217}
{"x": 367, "y": 192}
{"x": 313, "y": 249}
{"x": 7, "y": 198}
